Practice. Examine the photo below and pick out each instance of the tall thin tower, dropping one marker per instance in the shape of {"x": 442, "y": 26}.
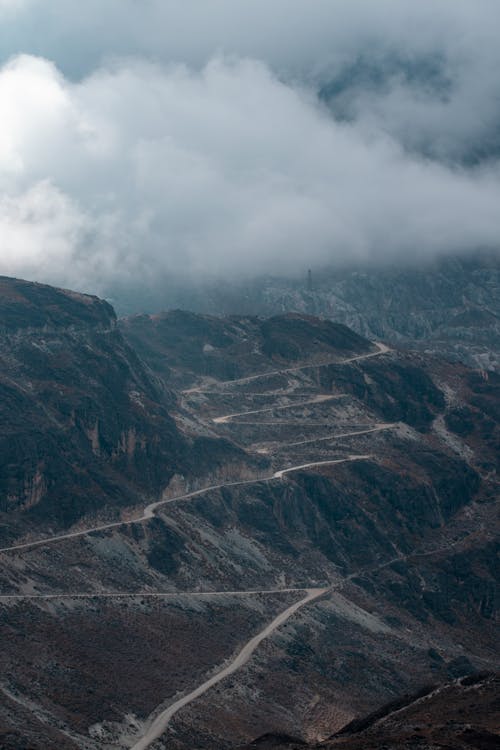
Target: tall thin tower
{"x": 309, "y": 281}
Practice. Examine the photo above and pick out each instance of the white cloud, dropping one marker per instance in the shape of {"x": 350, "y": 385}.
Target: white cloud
{"x": 142, "y": 169}
{"x": 40, "y": 230}
{"x": 12, "y": 5}
{"x": 297, "y": 35}
{"x": 170, "y": 135}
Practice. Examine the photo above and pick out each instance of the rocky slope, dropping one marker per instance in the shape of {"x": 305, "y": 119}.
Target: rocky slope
{"x": 463, "y": 715}
{"x": 369, "y": 472}
{"x": 85, "y": 426}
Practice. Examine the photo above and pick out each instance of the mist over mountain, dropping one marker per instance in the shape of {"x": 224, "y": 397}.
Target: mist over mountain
{"x": 450, "y": 306}
{"x": 249, "y": 374}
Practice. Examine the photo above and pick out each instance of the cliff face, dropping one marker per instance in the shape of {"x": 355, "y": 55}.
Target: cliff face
{"x": 84, "y": 426}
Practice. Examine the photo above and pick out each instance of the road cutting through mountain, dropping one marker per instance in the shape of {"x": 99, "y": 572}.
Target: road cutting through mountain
{"x": 160, "y": 723}
{"x": 376, "y": 428}
{"x": 314, "y": 464}
{"x": 381, "y": 349}
{"x": 150, "y": 510}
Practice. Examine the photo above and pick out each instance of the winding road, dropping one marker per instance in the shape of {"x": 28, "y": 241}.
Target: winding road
{"x": 149, "y": 510}
{"x": 159, "y": 723}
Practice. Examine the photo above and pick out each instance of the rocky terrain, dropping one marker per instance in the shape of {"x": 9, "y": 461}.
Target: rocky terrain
{"x": 270, "y": 457}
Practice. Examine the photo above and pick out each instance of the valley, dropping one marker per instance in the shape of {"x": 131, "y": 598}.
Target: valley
{"x": 325, "y": 542}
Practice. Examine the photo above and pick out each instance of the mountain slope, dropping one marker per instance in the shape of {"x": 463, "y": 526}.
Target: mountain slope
{"x": 449, "y": 307}
{"x": 85, "y": 426}
{"x": 177, "y": 342}
{"x": 462, "y": 715}
{"x": 304, "y": 458}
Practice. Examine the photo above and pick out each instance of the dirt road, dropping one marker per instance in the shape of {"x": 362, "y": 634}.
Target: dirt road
{"x": 161, "y": 722}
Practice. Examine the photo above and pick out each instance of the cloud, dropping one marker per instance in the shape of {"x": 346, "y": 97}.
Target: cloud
{"x": 9, "y": 6}
{"x": 142, "y": 170}
{"x": 232, "y": 138}
{"x": 296, "y": 36}
{"x": 40, "y": 230}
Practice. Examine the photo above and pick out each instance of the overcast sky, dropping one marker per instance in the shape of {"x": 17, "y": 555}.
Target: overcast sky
{"x": 149, "y": 137}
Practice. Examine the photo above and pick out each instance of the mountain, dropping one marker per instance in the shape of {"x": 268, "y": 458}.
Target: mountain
{"x": 85, "y": 425}
{"x": 302, "y": 528}
{"x": 177, "y": 342}
{"x": 449, "y": 307}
